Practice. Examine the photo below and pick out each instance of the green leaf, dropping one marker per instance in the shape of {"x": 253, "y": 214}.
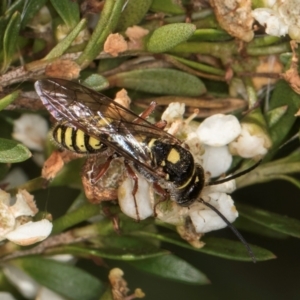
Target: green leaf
{"x": 123, "y": 255}
{"x": 12, "y": 152}
{"x": 10, "y": 39}
{"x": 209, "y": 34}
{"x": 15, "y": 6}
{"x": 245, "y": 224}
{"x": 215, "y": 246}
{"x": 166, "y": 37}
{"x": 271, "y": 220}
{"x": 5, "y": 101}
{"x": 168, "y": 6}
{"x": 68, "y": 281}
{"x": 160, "y": 81}
{"x": 96, "y": 82}
{"x": 79, "y": 215}
{"x": 274, "y": 115}
{"x": 30, "y": 9}
{"x": 133, "y": 13}
{"x": 106, "y": 25}
{"x": 281, "y": 96}
{"x": 68, "y": 11}
{"x": 62, "y": 46}
{"x": 234, "y": 250}
{"x": 198, "y": 66}
{"x": 171, "y": 267}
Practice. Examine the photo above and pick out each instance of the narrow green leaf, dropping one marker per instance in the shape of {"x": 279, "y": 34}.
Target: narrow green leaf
{"x": 133, "y": 13}
{"x": 68, "y": 281}
{"x": 168, "y": 6}
{"x": 234, "y": 250}
{"x": 271, "y": 220}
{"x": 15, "y": 6}
{"x": 96, "y": 82}
{"x": 290, "y": 179}
{"x": 62, "y": 46}
{"x": 5, "y": 101}
{"x": 10, "y": 39}
{"x": 128, "y": 255}
{"x": 199, "y": 66}
{"x": 166, "y": 37}
{"x": 281, "y": 96}
{"x": 68, "y": 11}
{"x": 106, "y": 25}
{"x": 274, "y": 115}
{"x": 79, "y": 215}
{"x": 210, "y": 34}
{"x": 171, "y": 267}
{"x": 12, "y": 152}
{"x": 30, "y": 9}
{"x": 160, "y": 81}
{"x": 228, "y": 249}
{"x": 247, "y": 225}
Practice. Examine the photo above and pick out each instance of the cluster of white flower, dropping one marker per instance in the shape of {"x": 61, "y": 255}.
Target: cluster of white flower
{"x": 16, "y": 224}
{"x": 280, "y": 17}
{"x": 210, "y": 143}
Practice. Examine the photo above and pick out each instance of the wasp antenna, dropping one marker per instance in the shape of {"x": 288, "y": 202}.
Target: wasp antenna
{"x": 235, "y": 175}
{"x": 235, "y": 231}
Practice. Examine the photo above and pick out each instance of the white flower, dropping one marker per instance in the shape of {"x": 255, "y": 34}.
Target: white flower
{"x": 252, "y": 142}
{"x": 216, "y": 160}
{"x": 142, "y": 208}
{"x": 208, "y": 143}
{"x": 219, "y": 130}
{"x": 216, "y": 132}
{"x": 174, "y": 112}
{"x": 281, "y": 18}
{"x": 31, "y": 130}
{"x": 205, "y": 219}
{"x": 16, "y": 225}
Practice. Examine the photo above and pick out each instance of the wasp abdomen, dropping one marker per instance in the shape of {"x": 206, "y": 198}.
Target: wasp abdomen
{"x": 74, "y": 139}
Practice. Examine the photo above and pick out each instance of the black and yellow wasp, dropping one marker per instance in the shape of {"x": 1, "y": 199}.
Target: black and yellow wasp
{"x": 90, "y": 122}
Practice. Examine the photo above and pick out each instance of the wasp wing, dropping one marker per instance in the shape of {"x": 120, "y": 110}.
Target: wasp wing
{"x": 102, "y": 118}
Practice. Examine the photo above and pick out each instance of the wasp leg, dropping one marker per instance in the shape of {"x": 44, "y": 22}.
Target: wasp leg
{"x": 161, "y": 124}
{"x": 114, "y": 219}
{"x": 102, "y": 170}
{"x": 146, "y": 112}
{"x": 135, "y": 179}
{"x": 161, "y": 192}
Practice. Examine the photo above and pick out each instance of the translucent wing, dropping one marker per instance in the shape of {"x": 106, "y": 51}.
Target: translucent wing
{"x": 101, "y": 118}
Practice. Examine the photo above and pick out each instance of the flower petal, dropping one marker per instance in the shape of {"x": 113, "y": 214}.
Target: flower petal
{"x": 30, "y": 233}
{"x": 31, "y": 130}
{"x": 25, "y": 205}
{"x": 8, "y": 221}
{"x": 251, "y": 142}
{"x": 142, "y": 208}
{"x": 205, "y": 219}
{"x": 219, "y": 130}
{"x": 216, "y": 160}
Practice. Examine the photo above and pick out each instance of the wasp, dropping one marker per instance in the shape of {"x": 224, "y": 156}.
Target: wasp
{"x": 89, "y": 122}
